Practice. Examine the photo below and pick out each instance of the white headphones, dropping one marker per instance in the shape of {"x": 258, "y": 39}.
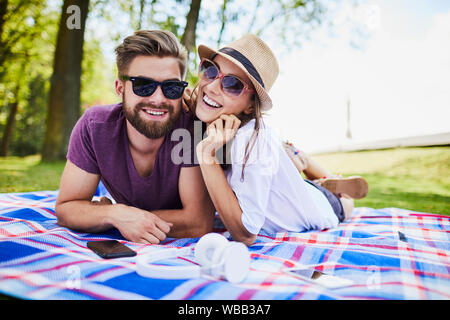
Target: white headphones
{"x": 216, "y": 255}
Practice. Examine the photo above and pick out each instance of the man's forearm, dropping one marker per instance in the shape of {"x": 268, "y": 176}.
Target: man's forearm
{"x": 86, "y": 216}
{"x": 184, "y": 226}
{"x": 196, "y": 217}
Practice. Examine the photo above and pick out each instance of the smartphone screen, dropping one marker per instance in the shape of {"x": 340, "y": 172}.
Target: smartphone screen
{"x": 306, "y": 273}
{"x": 109, "y": 249}
{"x": 318, "y": 277}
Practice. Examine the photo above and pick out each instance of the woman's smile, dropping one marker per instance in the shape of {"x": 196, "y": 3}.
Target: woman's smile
{"x": 209, "y": 103}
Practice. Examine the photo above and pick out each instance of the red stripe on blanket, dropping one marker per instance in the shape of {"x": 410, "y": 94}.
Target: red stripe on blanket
{"x": 196, "y": 288}
{"x": 297, "y": 253}
{"x": 247, "y": 294}
{"x": 431, "y": 215}
{"x": 285, "y": 262}
{"x": 387, "y": 247}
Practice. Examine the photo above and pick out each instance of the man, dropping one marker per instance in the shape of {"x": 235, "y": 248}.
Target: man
{"x": 128, "y": 147}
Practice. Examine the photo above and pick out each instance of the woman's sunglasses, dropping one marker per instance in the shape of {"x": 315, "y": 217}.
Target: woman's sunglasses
{"x": 145, "y": 87}
{"x": 230, "y": 84}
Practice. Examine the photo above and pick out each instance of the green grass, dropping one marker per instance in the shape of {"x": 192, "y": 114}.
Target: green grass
{"x": 411, "y": 178}
{"x": 29, "y": 174}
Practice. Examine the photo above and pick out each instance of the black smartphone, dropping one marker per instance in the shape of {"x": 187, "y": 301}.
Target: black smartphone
{"x": 109, "y": 249}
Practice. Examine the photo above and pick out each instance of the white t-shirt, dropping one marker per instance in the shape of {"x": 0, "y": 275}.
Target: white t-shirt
{"x": 273, "y": 195}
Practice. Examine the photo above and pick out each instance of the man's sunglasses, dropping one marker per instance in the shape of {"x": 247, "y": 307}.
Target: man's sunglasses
{"x": 145, "y": 87}
{"x": 230, "y": 84}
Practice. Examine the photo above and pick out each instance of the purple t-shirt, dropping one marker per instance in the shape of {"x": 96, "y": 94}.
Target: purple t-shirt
{"x": 99, "y": 145}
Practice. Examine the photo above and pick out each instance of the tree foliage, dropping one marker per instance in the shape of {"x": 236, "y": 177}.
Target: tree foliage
{"x": 28, "y": 32}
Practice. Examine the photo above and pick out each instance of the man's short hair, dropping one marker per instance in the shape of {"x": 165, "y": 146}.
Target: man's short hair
{"x": 158, "y": 43}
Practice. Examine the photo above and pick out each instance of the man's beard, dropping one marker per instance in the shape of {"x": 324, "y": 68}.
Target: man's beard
{"x": 150, "y": 129}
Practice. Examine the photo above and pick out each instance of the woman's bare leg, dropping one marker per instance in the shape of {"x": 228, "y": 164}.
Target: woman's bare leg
{"x": 315, "y": 171}
{"x": 354, "y": 186}
{"x": 304, "y": 163}
{"x": 348, "y": 205}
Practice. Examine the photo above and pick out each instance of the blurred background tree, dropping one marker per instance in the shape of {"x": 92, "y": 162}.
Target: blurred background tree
{"x": 65, "y": 84}
{"x": 27, "y": 31}
{"x": 54, "y": 64}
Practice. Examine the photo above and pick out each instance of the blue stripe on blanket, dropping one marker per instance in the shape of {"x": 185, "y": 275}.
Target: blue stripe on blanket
{"x": 10, "y": 250}
{"x": 25, "y": 213}
{"x": 135, "y": 283}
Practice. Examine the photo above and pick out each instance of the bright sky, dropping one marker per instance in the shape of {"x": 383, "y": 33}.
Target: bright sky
{"x": 398, "y": 81}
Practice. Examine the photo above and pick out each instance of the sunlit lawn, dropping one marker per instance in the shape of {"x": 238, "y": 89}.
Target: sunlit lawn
{"x": 411, "y": 178}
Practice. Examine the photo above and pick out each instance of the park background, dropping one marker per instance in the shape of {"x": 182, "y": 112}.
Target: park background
{"x": 353, "y": 74}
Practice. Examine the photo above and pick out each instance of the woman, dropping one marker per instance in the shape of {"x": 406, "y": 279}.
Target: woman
{"x": 262, "y": 191}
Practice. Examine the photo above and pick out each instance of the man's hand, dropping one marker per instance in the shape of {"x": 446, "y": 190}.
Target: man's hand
{"x": 139, "y": 225}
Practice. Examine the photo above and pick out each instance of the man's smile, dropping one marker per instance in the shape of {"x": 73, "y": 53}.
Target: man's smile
{"x": 155, "y": 114}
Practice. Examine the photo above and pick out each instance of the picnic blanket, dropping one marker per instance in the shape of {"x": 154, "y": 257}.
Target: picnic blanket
{"x": 388, "y": 253}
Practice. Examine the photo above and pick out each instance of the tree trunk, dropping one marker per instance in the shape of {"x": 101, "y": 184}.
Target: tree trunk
{"x": 64, "y": 98}
{"x": 188, "y": 38}
{"x": 9, "y": 128}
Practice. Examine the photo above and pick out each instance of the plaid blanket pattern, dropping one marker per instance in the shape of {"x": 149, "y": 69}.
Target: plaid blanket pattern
{"x": 388, "y": 254}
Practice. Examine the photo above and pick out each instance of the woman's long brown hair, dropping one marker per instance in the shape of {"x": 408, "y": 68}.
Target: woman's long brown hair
{"x": 257, "y": 115}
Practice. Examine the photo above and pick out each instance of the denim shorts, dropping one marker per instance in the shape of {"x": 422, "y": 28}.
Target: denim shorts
{"x": 332, "y": 199}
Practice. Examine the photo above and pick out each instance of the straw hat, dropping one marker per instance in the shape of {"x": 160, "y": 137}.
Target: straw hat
{"x": 255, "y": 58}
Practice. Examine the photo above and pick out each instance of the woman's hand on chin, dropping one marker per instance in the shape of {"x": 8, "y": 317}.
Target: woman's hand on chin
{"x": 219, "y": 132}
{"x": 206, "y": 153}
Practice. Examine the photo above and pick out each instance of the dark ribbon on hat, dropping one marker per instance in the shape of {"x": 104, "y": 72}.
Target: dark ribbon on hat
{"x": 245, "y": 62}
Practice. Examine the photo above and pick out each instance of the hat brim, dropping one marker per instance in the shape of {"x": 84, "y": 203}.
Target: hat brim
{"x": 264, "y": 99}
